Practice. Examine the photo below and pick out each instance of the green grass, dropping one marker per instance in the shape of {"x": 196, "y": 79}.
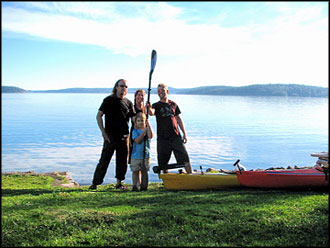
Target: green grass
{"x": 36, "y": 214}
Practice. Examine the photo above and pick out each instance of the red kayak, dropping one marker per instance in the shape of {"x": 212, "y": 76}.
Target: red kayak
{"x": 317, "y": 177}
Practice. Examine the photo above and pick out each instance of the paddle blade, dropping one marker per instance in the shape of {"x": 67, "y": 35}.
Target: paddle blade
{"x": 153, "y": 60}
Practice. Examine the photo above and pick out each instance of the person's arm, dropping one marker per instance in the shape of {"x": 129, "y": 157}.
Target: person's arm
{"x": 146, "y": 131}
{"x": 140, "y": 138}
{"x": 151, "y": 111}
{"x": 100, "y": 124}
{"x": 149, "y": 130}
{"x": 181, "y": 125}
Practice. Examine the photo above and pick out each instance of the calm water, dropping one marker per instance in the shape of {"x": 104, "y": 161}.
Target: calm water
{"x": 58, "y": 132}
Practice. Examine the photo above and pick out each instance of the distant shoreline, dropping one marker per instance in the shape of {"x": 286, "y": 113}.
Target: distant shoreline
{"x": 250, "y": 90}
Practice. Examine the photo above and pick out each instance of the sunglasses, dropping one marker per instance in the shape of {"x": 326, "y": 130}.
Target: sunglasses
{"x": 122, "y": 86}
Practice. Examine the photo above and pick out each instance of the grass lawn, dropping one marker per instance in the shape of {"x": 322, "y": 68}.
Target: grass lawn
{"x": 36, "y": 214}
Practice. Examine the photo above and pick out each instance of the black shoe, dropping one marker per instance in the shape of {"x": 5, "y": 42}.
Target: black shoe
{"x": 143, "y": 189}
{"x": 135, "y": 188}
{"x": 93, "y": 186}
{"x": 120, "y": 186}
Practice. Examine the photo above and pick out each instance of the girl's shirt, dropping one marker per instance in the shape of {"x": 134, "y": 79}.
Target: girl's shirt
{"x": 137, "y": 151}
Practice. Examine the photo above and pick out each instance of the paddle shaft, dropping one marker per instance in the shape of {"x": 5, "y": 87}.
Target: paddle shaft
{"x": 157, "y": 169}
{"x": 149, "y": 89}
{"x": 152, "y": 67}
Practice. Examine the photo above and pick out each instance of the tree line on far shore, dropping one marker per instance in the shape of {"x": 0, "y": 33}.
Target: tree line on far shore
{"x": 250, "y": 90}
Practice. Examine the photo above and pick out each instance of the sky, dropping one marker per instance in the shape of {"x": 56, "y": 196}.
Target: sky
{"x": 57, "y": 45}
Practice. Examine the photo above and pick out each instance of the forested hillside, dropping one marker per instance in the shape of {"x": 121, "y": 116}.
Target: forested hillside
{"x": 250, "y": 90}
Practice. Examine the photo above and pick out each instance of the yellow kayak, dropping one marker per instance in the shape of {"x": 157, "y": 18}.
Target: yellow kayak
{"x": 199, "y": 181}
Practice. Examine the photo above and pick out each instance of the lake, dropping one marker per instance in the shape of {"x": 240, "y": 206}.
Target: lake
{"x": 47, "y": 132}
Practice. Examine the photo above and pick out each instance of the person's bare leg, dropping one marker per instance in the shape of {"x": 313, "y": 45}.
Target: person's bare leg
{"x": 144, "y": 179}
{"x": 188, "y": 168}
{"x": 135, "y": 179}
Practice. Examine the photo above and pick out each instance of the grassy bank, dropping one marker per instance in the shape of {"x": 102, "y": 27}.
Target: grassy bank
{"x": 36, "y": 214}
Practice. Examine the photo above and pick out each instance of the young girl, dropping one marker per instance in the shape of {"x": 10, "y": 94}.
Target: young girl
{"x": 140, "y": 159}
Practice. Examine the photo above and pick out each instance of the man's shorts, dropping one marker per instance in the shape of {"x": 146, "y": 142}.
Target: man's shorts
{"x": 165, "y": 148}
{"x": 137, "y": 164}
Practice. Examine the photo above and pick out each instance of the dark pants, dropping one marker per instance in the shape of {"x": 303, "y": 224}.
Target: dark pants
{"x": 121, "y": 148}
{"x": 165, "y": 149}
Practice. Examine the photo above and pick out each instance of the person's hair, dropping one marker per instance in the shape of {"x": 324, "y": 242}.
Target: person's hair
{"x": 163, "y": 85}
{"x": 139, "y": 115}
{"x": 114, "y": 90}
{"x": 136, "y": 92}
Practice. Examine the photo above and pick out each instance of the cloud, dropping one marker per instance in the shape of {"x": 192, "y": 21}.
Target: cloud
{"x": 288, "y": 44}
{"x": 155, "y": 24}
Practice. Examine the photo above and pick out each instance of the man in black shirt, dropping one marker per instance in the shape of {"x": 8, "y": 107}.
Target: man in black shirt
{"x": 117, "y": 110}
{"x": 168, "y": 135}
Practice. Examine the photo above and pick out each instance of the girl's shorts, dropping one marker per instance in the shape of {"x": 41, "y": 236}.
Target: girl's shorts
{"x": 137, "y": 164}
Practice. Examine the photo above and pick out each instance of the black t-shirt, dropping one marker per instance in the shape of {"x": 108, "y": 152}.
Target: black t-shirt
{"x": 167, "y": 124}
{"x": 117, "y": 112}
